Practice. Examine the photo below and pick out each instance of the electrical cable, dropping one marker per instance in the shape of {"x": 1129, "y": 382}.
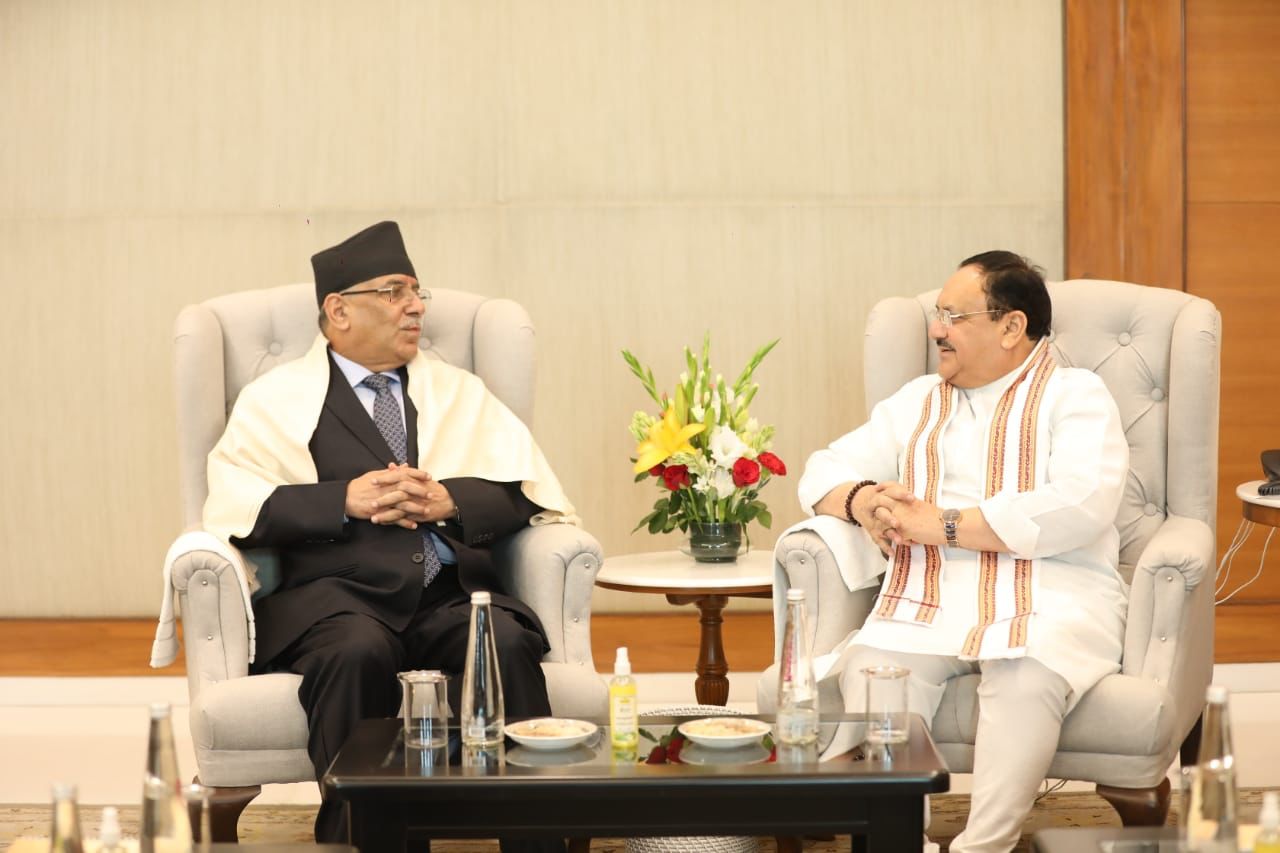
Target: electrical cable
{"x": 1261, "y": 562}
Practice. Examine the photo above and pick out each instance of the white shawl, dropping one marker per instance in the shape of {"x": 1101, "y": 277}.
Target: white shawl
{"x": 463, "y": 431}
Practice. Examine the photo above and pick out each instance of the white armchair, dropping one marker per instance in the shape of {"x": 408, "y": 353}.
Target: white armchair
{"x": 1158, "y": 352}
{"x": 251, "y": 729}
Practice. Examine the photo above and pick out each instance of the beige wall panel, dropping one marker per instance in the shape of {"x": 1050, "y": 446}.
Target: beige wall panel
{"x": 136, "y": 107}
{"x": 757, "y": 99}
{"x": 633, "y": 173}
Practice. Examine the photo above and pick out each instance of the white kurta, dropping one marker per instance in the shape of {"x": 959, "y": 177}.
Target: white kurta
{"x": 1067, "y": 523}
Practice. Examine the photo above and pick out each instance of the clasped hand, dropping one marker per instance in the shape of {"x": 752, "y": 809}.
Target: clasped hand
{"x": 399, "y": 494}
{"x": 892, "y": 515}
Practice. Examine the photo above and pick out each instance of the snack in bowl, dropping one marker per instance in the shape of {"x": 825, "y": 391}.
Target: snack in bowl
{"x": 724, "y": 731}
{"x": 550, "y": 732}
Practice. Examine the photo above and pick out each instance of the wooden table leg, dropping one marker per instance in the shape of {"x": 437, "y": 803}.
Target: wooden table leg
{"x": 712, "y": 684}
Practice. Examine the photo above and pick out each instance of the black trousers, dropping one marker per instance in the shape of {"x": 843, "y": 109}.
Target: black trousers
{"x": 349, "y": 661}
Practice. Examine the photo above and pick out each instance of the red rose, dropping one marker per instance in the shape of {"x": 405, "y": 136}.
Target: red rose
{"x": 773, "y": 463}
{"x": 745, "y": 472}
{"x": 676, "y": 477}
{"x": 656, "y": 470}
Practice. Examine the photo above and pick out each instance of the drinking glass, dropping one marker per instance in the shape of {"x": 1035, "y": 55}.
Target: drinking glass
{"x": 886, "y": 704}
{"x": 426, "y": 708}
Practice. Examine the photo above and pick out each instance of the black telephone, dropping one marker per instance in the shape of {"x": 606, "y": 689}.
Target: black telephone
{"x": 1271, "y": 470}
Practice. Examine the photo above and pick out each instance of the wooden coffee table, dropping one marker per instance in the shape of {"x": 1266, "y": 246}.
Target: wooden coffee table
{"x": 393, "y": 794}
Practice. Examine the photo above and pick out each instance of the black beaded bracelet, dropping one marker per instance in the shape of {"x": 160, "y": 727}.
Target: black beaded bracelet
{"x": 848, "y": 502}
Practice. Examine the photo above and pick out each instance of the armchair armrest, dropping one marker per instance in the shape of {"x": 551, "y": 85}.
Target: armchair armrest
{"x": 212, "y": 597}
{"x": 1169, "y": 631}
{"x": 832, "y": 611}
{"x": 553, "y": 568}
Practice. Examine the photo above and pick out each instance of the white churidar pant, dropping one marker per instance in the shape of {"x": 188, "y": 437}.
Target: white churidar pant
{"x": 1021, "y": 705}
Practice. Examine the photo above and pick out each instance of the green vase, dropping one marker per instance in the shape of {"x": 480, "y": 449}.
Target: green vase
{"x": 715, "y": 542}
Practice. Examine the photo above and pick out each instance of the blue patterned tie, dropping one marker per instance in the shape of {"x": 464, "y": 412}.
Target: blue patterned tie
{"x": 389, "y": 421}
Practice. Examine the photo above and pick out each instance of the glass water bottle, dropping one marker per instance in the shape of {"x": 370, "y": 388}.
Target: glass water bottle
{"x": 483, "y": 718}
{"x": 65, "y": 835}
{"x": 164, "y": 810}
{"x": 797, "y": 688}
{"x": 1211, "y": 823}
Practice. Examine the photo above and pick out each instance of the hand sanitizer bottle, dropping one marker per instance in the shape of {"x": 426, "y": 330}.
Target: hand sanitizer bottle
{"x": 109, "y": 831}
{"x": 624, "y": 722}
{"x": 1268, "y": 838}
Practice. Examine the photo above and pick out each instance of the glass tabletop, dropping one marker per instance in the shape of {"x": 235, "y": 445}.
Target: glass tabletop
{"x": 660, "y": 744}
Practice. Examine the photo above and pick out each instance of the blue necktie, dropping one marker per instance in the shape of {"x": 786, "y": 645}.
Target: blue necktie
{"x": 389, "y": 421}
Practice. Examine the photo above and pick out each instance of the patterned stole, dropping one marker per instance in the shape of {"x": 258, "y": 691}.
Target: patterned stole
{"x": 1005, "y": 583}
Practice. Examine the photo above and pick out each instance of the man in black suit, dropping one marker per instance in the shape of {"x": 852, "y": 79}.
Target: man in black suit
{"x": 378, "y": 557}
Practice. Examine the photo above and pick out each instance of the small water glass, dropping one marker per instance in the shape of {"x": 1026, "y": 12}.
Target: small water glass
{"x": 886, "y": 704}
{"x": 426, "y": 708}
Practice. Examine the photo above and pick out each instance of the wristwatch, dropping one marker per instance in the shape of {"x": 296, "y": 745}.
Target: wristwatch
{"x": 950, "y": 518}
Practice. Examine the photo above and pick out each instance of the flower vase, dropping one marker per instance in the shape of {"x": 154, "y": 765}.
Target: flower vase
{"x": 715, "y": 542}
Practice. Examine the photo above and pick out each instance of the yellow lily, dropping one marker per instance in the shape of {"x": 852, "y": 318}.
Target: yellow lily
{"x": 666, "y": 438}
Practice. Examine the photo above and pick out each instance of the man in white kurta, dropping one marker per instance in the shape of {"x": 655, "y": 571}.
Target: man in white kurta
{"x": 992, "y": 488}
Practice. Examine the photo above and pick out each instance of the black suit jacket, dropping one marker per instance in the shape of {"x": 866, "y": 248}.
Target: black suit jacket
{"x": 331, "y": 565}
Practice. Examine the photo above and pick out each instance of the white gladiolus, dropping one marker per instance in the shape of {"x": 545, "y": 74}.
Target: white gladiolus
{"x": 722, "y": 481}
{"x": 726, "y": 448}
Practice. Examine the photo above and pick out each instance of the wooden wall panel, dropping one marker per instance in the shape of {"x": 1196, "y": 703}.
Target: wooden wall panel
{"x": 1233, "y": 241}
{"x": 1173, "y": 178}
{"x": 1095, "y": 108}
{"x": 1154, "y": 143}
{"x": 1229, "y": 249}
{"x": 1233, "y": 94}
{"x": 1125, "y": 144}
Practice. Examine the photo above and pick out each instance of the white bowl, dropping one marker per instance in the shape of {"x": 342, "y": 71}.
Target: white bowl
{"x": 724, "y": 732}
{"x": 551, "y": 732}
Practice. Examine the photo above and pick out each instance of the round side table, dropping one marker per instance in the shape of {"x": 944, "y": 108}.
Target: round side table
{"x": 707, "y": 585}
{"x": 1256, "y": 509}
{"x": 1260, "y": 509}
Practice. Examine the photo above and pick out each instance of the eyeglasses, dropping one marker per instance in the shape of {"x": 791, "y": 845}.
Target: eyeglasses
{"x": 947, "y": 317}
{"x": 395, "y": 293}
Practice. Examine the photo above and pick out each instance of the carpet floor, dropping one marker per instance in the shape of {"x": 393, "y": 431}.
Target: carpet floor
{"x": 293, "y": 823}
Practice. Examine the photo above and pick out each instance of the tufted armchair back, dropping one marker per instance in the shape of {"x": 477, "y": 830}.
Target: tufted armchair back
{"x": 223, "y": 344}
{"x": 1156, "y": 350}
